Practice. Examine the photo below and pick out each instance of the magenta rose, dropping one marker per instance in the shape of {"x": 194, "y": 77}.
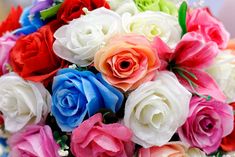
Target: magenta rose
{"x": 208, "y": 121}
{"x": 200, "y": 20}
{"x": 7, "y": 41}
{"x": 34, "y": 141}
{"x": 93, "y": 138}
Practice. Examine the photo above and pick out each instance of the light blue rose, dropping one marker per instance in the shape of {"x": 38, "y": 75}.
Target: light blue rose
{"x": 77, "y": 94}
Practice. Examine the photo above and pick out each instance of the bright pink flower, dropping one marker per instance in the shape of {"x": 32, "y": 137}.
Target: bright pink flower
{"x": 188, "y": 60}
{"x": 7, "y": 41}
{"x": 93, "y": 138}
{"x": 207, "y": 123}
{"x": 34, "y": 141}
{"x": 201, "y": 21}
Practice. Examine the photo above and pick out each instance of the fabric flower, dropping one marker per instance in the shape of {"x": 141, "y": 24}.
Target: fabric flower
{"x": 22, "y": 102}
{"x": 156, "y": 109}
{"x": 73, "y": 9}
{"x": 127, "y": 61}
{"x": 223, "y": 71}
{"x": 12, "y": 21}
{"x": 188, "y": 61}
{"x": 173, "y": 149}
{"x": 152, "y": 24}
{"x": 34, "y": 140}
{"x": 78, "y": 41}
{"x": 157, "y": 5}
{"x": 3, "y": 147}
{"x": 40, "y": 5}
{"x": 201, "y": 21}
{"x": 123, "y": 6}
{"x": 93, "y": 138}
{"x": 227, "y": 143}
{"x": 208, "y": 121}
{"x": 76, "y": 94}
{"x": 7, "y": 41}
{"x": 33, "y": 59}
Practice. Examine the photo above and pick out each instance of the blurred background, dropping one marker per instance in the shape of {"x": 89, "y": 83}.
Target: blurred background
{"x": 222, "y": 9}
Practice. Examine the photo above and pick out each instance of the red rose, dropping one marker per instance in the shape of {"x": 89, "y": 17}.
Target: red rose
{"x": 72, "y": 9}
{"x": 32, "y": 56}
{"x": 12, "y": 21}
{"x": 228, "y": 142}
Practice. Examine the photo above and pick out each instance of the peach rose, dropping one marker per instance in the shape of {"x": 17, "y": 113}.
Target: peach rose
{"x": 127, "y": 61}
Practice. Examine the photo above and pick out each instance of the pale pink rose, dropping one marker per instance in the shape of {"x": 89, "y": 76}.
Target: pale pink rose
{"x": 201, "y": 21}
{"x": 7, "y": 41}
{"x": 188, "y": 61}
{"x": 208, "y": 121}
{"x": 93, "y": 138}
{"x": 33, "y": 141}
{"x": 173, "y": 149}
{"x": 127, "y": 61}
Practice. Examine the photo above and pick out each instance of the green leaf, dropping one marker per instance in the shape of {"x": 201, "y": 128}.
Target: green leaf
{"x": 50, "y": 12}
{"x": 182, "y": 17}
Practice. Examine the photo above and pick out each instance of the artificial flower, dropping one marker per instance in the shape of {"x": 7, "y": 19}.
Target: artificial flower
{"x": 7, "y": 41}
{"x": 200, "y": 20}
{"x": 22, "y": 102}
{"x": 123, "y": 6}
{"x": 188, "y": 61}
{"x": 152, "y": 24}
{"x": 73, "y": 9}
{"x": 33, "y": 141}
{"x": 156, "y": 109}
{"x": 33, "y": 59}
{"x": 78, "y": 41}
{"x": 127, "y": 61}
{"x": 223, "y": 71}
{"x": 93, "y": 138}
{"x": 208, "y": 121}
{"x": 157, "y": 5}
{"x": 172, "y": 149}
{"x": 12, "y": 21}
{"x": 77, "y": 94}
{"x": 39, "y": 5}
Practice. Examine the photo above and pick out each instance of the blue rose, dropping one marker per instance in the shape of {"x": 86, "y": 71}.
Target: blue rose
{"x": 3, "y": 147}
{"x": 80, "y": 93}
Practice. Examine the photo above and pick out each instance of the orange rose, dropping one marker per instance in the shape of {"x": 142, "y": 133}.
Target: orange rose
{"x": 127, "y": 61}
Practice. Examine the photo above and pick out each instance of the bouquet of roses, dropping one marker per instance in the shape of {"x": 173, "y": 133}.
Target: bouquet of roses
{"x": 115, "y": 78}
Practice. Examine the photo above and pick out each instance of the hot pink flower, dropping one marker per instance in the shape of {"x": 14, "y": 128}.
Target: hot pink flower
{"x": 207, "y": 123}
{"x": 201, "y": 21}
{"x": 93, "y": 138}
{"x": 34, "y": 141}
{"x": 188, "y": 60}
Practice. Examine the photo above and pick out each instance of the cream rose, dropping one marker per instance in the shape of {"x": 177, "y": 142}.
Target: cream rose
{"x": 78, "y": 41}
{"x": 152, "y": 24}
{"x": 156, "y": 109}
{"x": 223, "y": 71}
{"x": 22, "y": 102}
{"x": 123, "y": 6}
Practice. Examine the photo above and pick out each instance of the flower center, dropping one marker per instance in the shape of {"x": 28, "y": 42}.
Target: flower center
{"x": 124, "y": 64}
{"x": 206, "y": 124}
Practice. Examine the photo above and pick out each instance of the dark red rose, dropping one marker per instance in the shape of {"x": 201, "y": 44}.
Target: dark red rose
{"x": 12, "y": 21}
{"x": 32, "y": 56}
{"x": 72, "y": 9}
{"x": 228, "y": 142}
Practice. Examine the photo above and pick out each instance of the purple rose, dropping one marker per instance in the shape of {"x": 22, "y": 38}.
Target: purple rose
{"x": 7, "y": 41}
{"x": 40, "y": 5}
{"x": 35, "y": 140}
{"x": 207, "y": 123}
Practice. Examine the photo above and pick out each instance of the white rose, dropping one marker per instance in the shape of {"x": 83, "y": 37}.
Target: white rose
{"x": 156, "y": 109}
{"x": 123, "y": 6}
{"x": 78, "y": 41}
{"x": 223, "y": 71}
{"x": 22, "y": 102}
{"x": 152, "y": 24}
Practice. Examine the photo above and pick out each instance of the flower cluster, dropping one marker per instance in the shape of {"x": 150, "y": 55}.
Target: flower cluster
{"x": 115, "y": 78}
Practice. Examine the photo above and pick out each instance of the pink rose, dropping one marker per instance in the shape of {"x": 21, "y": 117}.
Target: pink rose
{"x": 7, "y": 41}
{"x": 93, "y": 138}
{"x": 207, "y": 123}
{"x": 201, "y": 21}
{"x": 127, "y": 61}
{"x": 34, "y": 141}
